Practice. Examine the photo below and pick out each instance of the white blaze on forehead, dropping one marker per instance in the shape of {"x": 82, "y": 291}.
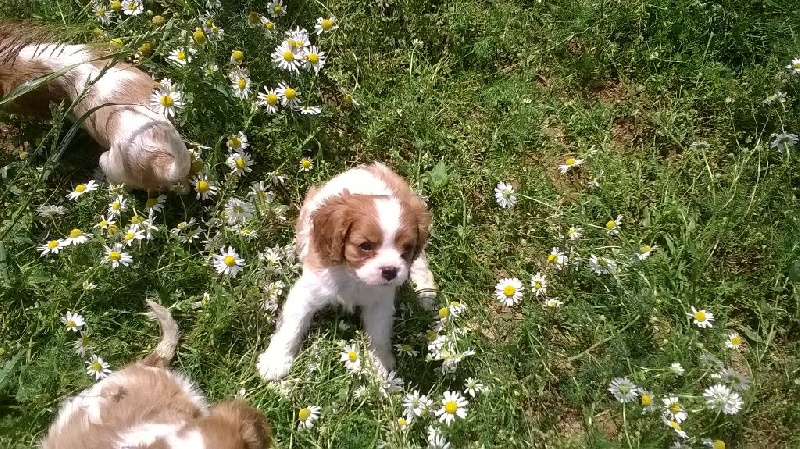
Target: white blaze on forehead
{"x": 145, "y": 434}
{"x": 389, "y": 211}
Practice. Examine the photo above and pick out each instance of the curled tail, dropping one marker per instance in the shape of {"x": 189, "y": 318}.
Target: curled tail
{"x": 163, "y": 353}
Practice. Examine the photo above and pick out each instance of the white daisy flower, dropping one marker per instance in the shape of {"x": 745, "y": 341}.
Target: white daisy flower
{"x": 276, "y": 8}
{"x": 453, "y": 406}
{"x": 736, "y": 380}
{"x": 102, "y": 14}
{"x": 50, "y": 247}
{"x": 203, "y": 186}
{"x": 228, "y": 262}
{"x": 238, "y": 211}
{"x": 539, "y": 284}
{"x": 155, "y": 204}
{"x": 602, "y": 265}
{"x": 306, "y": 164}
{"x": 310, "y": 110}
{"x": 289, "y": 96}
{"x": 308, "y": 415}
{"x": 132, "y": 7}
{"x": 240, "y": 163}
{"x": 647, "y": 401}
{"x": 209, "y": 69}
{"x": 324, "y": 25}
{"x": 508, "y": 291}
{"x": 673, "y": 410}
{"x": 48, "y": 212}
{"x": 133, "y": 234}
{"x": 181, "y": 56}
{"x": 552, "y": 303}
{"x": 73, "y": 321}
{"x": 83, "y": 344}
{"x": 721, "y": 399}
{"x": 436, "y": 440}
{"x": 116, "y": 257}
{"x": 402, "y": 423}
{"x": 613, "y": 226}
{"x": 571, "y": 162}
{"x": 392, "y": 384}
{"x": 714, "y": 444}
{"x": 80, "y": 189}
{"x": 405, "y": 349}
{"x": 314, "y": 59}
{"x": 118, "y": 206}
{"x": 287, "y": 57}
{"x": 240, "y": 83}
{"x": 623, "y": 389}
{"x": 269, "y": 99}
{"x": 473, "y": 386}
{"x": 260, "y": 192}
{"x": 676, "y": 426}
{"x": 504, "y": 195}
{"x": 734, "y": 341}
{"x": 415, "y": 405}
{"x": 645, "y": 251}
{"x": 784, "y": 141}
{"x": 166, "y": 100}
{"x": 677, "y": 369}
{"x": 267, "y": 25}
{"x": 557, "y": 258}
{"x": 794, "y": 66}
{"x": 98, "y": 368}
{"x": 350, "y": 357}
{"x": 75, "y": 237}
{"x": 574, "y": 232}
{"x": 701, "y": 318}
{"x": 298, "y": 38}
{"x": 237, "y": 142}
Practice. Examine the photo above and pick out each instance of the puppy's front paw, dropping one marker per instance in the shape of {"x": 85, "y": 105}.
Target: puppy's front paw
{"x": 383, "y": 363}
{"x": 273, "y": 366}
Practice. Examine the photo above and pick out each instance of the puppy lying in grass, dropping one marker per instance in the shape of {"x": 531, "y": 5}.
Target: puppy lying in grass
{"x": 145, "y": 405}
{"x": 142, "y": 148}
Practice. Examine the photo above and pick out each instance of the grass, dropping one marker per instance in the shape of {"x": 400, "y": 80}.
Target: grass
{"x": 665, "y": 102}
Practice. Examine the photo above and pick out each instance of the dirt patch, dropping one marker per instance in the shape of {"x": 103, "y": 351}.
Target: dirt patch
{"x": 610, "y": 91}
{"x": 9, "y": 138}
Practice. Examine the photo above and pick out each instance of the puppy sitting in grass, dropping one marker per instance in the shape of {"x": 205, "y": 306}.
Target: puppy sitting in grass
{"x": 145, "y": 405}
{"x": 142, "y": 148}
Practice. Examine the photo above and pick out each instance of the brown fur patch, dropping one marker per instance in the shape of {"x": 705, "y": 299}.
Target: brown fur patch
{"x": 339, "y": 226}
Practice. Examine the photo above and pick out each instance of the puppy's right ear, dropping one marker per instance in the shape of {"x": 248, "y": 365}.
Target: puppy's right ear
{"x": 329, "y": 226}
{"x": 253, "y": 427}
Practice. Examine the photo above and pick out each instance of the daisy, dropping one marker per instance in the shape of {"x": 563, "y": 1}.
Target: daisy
{"x": 166, "y": 100}
{"x": 784, "y": 141}
{"x": 75, "y": 237}
{"x": 50, "y": 247}
{"x": 402, "y": 424}
{"x": 612, "y": 226}
{"x": 794, "y": 66}
{"x": 203, "y": 186}
{"x": 240, "y": 83}
{"x": 228, "y": 262}
{"x": 313, "y": 59}
{"x": 180, "y": 56}
{"x": 553, "y": 303}
{"x": 48, "y": 211}
{"x": 298, "y": 38}
{"x": 324, "y": 25}
{"x": 104, "y": 224}
{"x": 472, "y": 386}
{"x": 287, "y": 57}
{"x": 673, "y": 410}
{"x": 569, "y": 163}
{"x": 307, "y": 416}
{"x": 405, "y": 349}
{"x": 453, "y": 405}
{"x": 722, "y": 399}
{"x": 276, "y": 8}
{"x": 504, "y": 195}
{"x": 736, "y": 380}
{"x": 623, "y": 389}
{"x": 209, "y": 68}
{"x": 80, "y": 189}
{"x": 557, "y": 258}
{"x": 82, "y": 344}
{"x": 574, "y": 232}
{"x": 132, "y": 7}
{"x": 676, "y": 426}
{"x": 240, "y": 163}
{"x": 647, "y": 400}
{"x": 238, "y": 142}
{"x": 267, "y": 25}
{"x": 701, "y": 318}
{"x": 306, "y": 164}
{"x": 392, "y": 384}
{"x": 149, "y": 228}
{"x": 98, "y": 368}
{"x": 508, "y": 291}
{"x": 73, "y": 321}
{"x": 645, "y": 250}
{"x": 714, "y": 444}
{"x": 288, "y": 95}
{"x": 238, "y": 211}
{"x": 115, "y": 256}
{"x": 416, "y": 404}
{"x": 539, "y": 284}
{"x": 102, "y": 14}
{"x": 436, "y": 440}
{"x": 734, "y": 341}
{"x": 350, "y": 358}
{"x": 677, "y": 369}
{"x": 602, "y": 265}
{"x": 117, "y": 206}
{"x": 259, "y": 191}
{"x": 237, "y": 56}
{"x": 155, "y": 204}
{"x": 310, "y": 110}
{"x": 269, "y": 100}
{"x": 133, "y": 234}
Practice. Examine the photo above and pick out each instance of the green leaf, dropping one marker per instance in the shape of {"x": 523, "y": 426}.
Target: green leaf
{"x": 438, "y": 175}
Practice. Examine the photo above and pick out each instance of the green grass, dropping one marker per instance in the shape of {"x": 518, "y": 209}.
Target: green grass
{"x": 663, "y": 99}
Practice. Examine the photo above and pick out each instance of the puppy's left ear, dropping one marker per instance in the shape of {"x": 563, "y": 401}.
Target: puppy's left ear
{"x": 419, "y": 210}
{"x": 252, "y": 424}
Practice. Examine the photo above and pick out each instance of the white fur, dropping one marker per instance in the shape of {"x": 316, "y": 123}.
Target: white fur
{"x": 188, "y": 440}
{"x": 146, "y": 434}
{"x": 317, "y": 288}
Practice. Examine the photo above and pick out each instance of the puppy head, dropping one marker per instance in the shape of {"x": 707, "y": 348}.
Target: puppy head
{"x": 235, "y": 425}
{"x": 376, "y": 237}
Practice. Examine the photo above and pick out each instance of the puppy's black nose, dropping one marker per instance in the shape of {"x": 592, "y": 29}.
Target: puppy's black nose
{"x": 389, "y": 273}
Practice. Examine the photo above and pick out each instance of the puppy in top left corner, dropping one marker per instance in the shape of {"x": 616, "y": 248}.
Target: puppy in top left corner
{"x": 142, "y": 149}
{"x": 146, "y": 405}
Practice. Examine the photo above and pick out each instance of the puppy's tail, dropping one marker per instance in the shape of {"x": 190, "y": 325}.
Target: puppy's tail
{"x": 163, "y": 353}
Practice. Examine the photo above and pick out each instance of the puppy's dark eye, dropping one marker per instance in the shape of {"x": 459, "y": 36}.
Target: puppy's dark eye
{"x": 366, "y": 246}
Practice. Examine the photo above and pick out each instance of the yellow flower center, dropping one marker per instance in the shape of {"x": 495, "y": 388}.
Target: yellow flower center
{"x": 199, "y": 36}
{"x": 96, "y": 366}
{"x": 202, "y": 186}
{"x": 736, "y": 340}
{"x": 129, "y": 236}
{"x": 700, "y": 316}
{"x": 277, "y": 9}
{"x": 112, "y": 229}
{"x": 719, "y": 444}
{"x": 571, "y": 161}
{"x": 116, "y": 5}
{"x": 674, "y": 425}
{"x": 272, "y": 99}
{"x": 675, "y": 408}
{"x": 306, "y": 163}
{"x": 100, "y": 11}
{"x": 401, "y": 422}
{"x": 72, "y": 323}
{"x": 240, "y": 163}
{"x": 796, "y": 65}
{"x": 552, "y": 258}
{"x": 136, "y": 220}
{"x": 197, "y": 165}
{"x": 158, "y": 20}
{"x": 166, "y": 101}
{"x": 116, "y": 205}
{"x": 327, "y": 24}
{"x": 451, "y": 407}
{"x": 352, "y": 356}
{"x": 570, "y": 231}
{"x": 254, "y": 18}
{"x": 242, "y": 83}
{"x": 432, "y": 335}
{"x": 611, "y": 224}
{"x": 537, "y": 285}
{"x": 444, "y": 312}
{"x": 237, "y": 55}
{"x": 313, "y": 58}
{"x": 132, "y": 6}
{"x": 406, "y": 347}
{"x": 115, "y": 255}
{"x": 646, "y": 400}
{"x": 52, "y": 244}
{"x": 348, "y": 99}
{"x": 509, "y": 290}
{"x": 80, "y": 188}
{"x": 75, "y": 233}
{"x": 151, "y": 202}
{"x": 146, "y": 48}
{"x": 116, "y": 42}
{"x": 288, "y": 56}
{"x": 181, "y": 55}
{"x": 234, "y": 142}
{"x": 229, "y": 261}
{"x": 304, "y": 413}
{"x": 290, "y": 93}
{"x": 645, "y": 249}
{"x": 269, "y": 26}
{"x": 551, "y": 303}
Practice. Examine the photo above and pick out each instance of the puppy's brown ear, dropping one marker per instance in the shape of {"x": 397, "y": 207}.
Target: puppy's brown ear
{"x": 330, "y": 223}
{"x": 252, "y": 425}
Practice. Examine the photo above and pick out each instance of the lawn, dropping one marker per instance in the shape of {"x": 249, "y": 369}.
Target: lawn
{"x": 649, "y": 229}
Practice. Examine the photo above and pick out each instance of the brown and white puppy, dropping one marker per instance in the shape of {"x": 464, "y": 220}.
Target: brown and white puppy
{"x": 145, "y": 405}
{"x": 359, "y": 237}
{"x": 144, "y": 150}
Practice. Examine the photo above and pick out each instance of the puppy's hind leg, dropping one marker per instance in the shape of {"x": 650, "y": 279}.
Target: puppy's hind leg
{"x": 424, "y": 282}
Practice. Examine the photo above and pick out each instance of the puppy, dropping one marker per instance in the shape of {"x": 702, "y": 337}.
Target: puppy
{"x": 359, "y": 236}
{"x": 145, "y": 405}
{"x": 144, "y": 150}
